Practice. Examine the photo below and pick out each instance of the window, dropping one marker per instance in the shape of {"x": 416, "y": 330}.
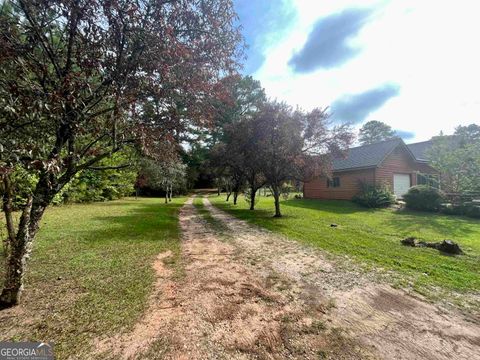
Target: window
{"x": 334, "y": 182}
{"x": 428, "y": 179}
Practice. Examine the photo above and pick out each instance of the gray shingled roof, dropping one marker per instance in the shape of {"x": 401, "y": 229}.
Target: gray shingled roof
{"x": 366, "y": 155}
{"x": 419, "y": 150}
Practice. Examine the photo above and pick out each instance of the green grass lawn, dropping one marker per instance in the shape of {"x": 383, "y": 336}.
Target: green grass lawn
{"x": 372, "y": 237}
{"x": 90, "y": 273}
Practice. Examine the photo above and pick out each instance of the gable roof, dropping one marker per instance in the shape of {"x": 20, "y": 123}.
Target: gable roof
{"x": 420, "y": 150}
{"x": 367, "y": 155}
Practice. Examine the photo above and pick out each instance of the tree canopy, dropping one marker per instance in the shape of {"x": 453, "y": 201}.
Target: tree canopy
{"x": 278, "y": 144}
{"x": 82, "y": 80}
{"x": 375, "y": 131}
{"x": 457, "y": 157}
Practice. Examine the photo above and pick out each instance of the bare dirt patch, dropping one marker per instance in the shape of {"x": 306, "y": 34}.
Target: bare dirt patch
{"x": 223, "y": 308}
{"x": 389, "y": 322}
{"x": 251, "y": 294}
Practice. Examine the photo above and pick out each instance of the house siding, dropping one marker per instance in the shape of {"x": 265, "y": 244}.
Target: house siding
{"x": 350, "y": 185}
{"x": 399, "y": 161}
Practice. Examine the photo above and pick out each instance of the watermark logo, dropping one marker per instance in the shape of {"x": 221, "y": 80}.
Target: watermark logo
{"x": 26, "y": 351}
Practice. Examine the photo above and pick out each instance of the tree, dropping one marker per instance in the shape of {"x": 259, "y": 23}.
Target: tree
{"x": 100, "y": 185}
{"x": 231, "y": 155}
{"x": 228, "y": 163}
{"x": 296, "y": 144}
{"x": 375, "y": 131}
{"x": 166, "y": 176}
{"x": 469, "y": 134}
{"x": 243, "y": 149}
{"x": 457, "y": 157}
{"x": 242, "y": 98}
{"x": 82, "y": 80}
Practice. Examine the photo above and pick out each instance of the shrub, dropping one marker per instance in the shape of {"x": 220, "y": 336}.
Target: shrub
{"x": 450, "y": 209}
{"x": 424, "y": 197}
{"x": 373, "y": 196}
{"x": 468, "y": 209}
{"x": 473, "y": 211}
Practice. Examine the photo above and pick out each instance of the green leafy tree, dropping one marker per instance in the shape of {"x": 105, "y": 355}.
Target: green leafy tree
{"x": 166, "y": 176}
{"x": 227, "y": 161}
{"x": 457, "y": 157}
{"x": 83, "y": 80}
{"x": 375, "y": 131}
{"x": 238, "y": 156}
{"x": 293, "y": 144}
{"x": 245, "y": 96}
{"x": 105, "y": 184}
{"x": 242, "y": 99}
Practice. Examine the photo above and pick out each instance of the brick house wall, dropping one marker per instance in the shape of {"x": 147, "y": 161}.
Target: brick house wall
{"x": 399, "y": 161}
{"x": 350, "y": 185}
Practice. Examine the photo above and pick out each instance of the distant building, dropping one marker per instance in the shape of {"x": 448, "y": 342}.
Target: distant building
{"x": 391, "y": 163}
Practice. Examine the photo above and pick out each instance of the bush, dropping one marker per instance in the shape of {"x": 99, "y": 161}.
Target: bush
{"x": 469, "y": 209}
{"x": 374, "y": 196}
{"x": 424, "y": 198}
{"x": 473, "y": 211}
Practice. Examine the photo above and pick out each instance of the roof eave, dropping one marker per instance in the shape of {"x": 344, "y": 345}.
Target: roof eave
{"x": 355, "y": 168}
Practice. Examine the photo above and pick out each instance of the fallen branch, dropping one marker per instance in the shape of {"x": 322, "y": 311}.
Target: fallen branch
{"x": 446, "y": 246}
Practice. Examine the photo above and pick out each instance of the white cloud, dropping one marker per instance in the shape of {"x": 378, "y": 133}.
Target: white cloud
{"x": 428, "y": 48}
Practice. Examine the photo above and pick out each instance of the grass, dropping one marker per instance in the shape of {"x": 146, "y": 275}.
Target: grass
{"x": 90, "y": 273}
{"x": 206, "y": 215}
{"x": 372, "y": 238}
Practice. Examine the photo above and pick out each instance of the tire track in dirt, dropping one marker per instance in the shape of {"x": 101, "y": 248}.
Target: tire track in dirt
{"x": 392, "y": 323}
{"x": 230, "y": 311}
{"x": 223, "y": 308}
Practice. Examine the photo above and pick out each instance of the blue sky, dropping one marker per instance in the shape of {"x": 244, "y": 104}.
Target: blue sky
{"x": 411, "y": 64}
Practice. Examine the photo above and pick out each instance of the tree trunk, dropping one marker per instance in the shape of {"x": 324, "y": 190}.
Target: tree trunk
{"x": 228, "y": 195}
{"x": 253, "y": 193}
{"x": 20, "y": 248}
{"x": 171, "y": 193}
{"x": 235, "y": 197}
{"x": 166, "y": 196}
{"x": 218, "y": 191}
{"x": 7, "y": 206}
{"x": 276, "y": 195}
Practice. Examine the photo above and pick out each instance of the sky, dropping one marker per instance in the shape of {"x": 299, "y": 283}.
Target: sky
{"x": 414, "y": 65}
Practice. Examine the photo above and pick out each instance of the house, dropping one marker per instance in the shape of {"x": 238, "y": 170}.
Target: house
{"x": 391, "y": 163}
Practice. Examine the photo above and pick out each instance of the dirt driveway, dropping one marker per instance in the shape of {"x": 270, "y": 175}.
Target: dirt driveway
{"x": 251, "y": 294}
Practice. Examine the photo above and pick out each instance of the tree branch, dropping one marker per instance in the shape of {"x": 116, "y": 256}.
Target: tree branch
{"x": 100, "y": 168}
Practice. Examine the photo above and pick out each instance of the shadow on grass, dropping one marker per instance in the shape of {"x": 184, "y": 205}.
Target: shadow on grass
{"x": 91, "y": 273}
{"x": 332, "y": 206}
{"x": 144, "y": 222}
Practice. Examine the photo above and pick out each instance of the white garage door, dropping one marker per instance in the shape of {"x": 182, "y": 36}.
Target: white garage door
{"x": 401, "y": 184}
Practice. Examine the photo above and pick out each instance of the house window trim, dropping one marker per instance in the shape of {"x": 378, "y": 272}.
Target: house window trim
{"x": 333, "y": 182}
{"x": 432, "y": 180}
